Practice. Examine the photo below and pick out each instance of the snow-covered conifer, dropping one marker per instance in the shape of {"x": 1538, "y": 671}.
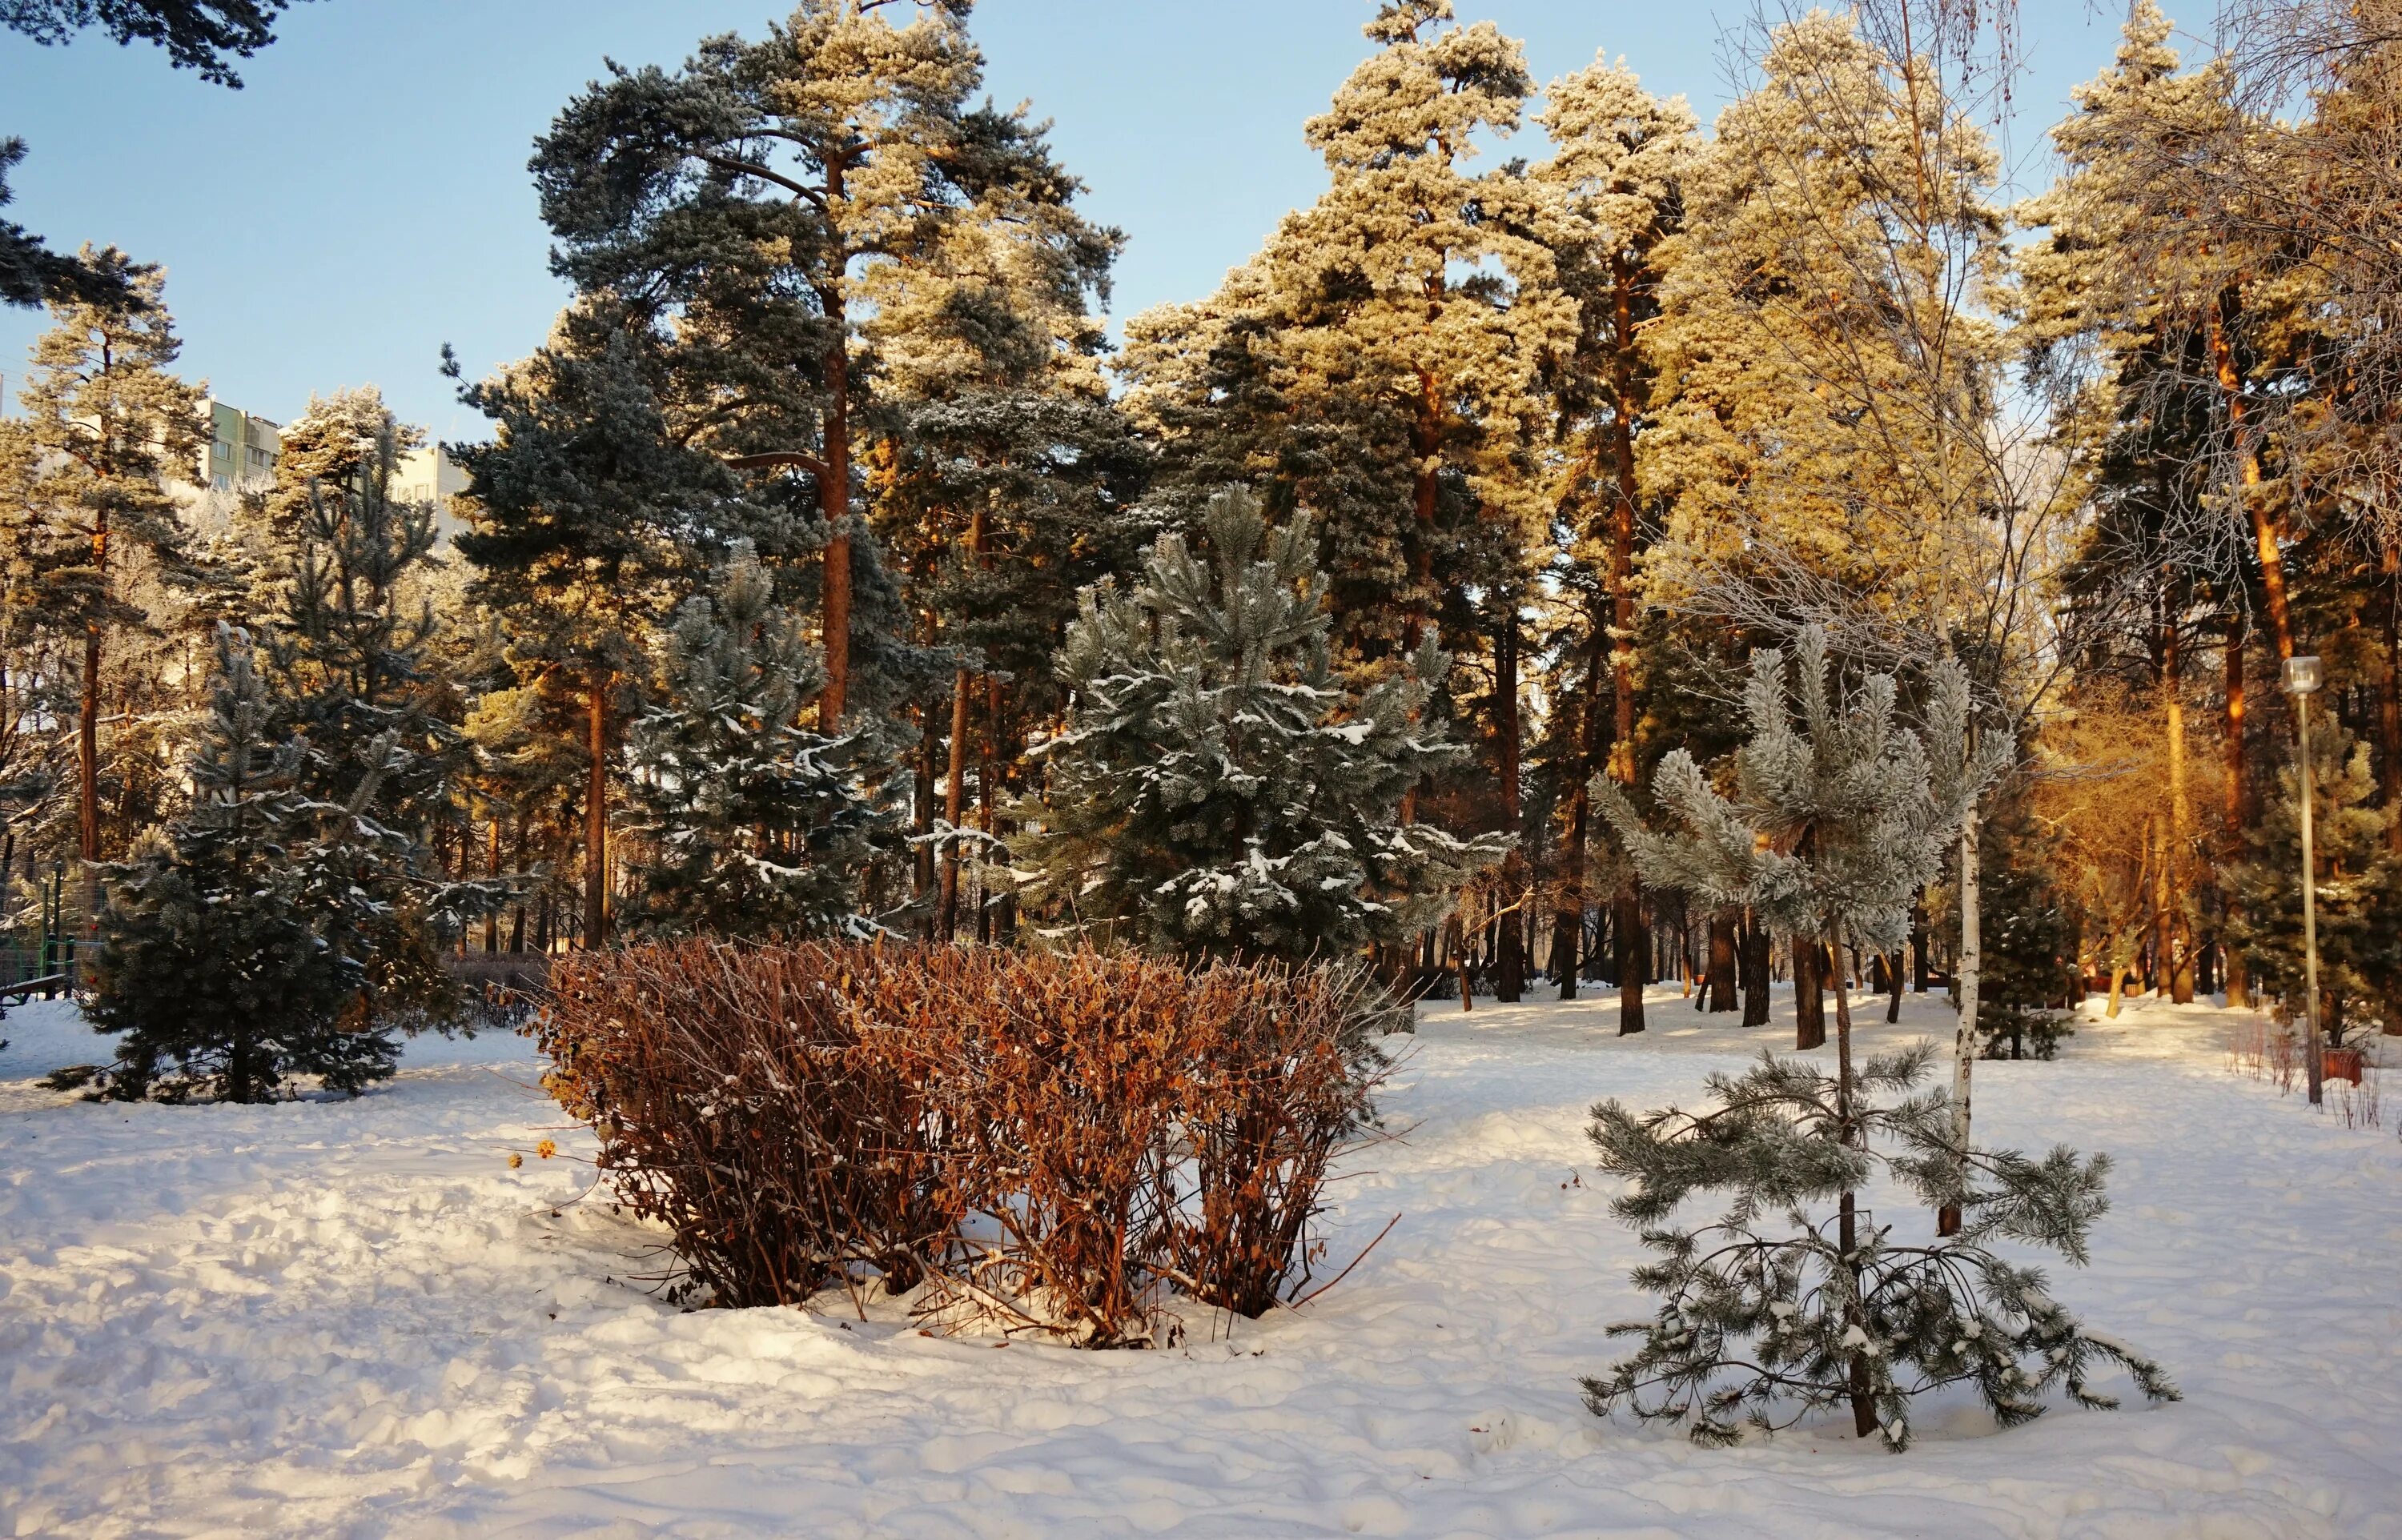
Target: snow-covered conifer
{"x": 234, "y": 947}
{"x": 2359, "y": 896}
{"x": 1214, "y": 789}
{"x": 759, "y": 826}
{"x": 1836, "y": 818}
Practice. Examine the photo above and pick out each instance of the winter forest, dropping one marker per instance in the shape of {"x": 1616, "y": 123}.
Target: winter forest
{"x": 1748, "y": 721}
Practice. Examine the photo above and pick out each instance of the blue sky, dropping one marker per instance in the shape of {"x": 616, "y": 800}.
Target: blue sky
{"x": 364, "y": 199}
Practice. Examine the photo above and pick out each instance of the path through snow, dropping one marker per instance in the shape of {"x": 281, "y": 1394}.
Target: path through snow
{"x": 352, "y": 1318}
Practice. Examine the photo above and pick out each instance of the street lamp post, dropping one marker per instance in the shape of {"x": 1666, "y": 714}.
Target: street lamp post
{"x": 2303, "y": 677}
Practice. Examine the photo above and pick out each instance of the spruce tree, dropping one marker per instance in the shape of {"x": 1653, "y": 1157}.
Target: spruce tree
{"x": 2359, "y": 891}
{"x": 756, "y": 825}
{"x": 1835, "y": 820}
{"x": 234, "y": 948}
{"x": 1215, "y": 791}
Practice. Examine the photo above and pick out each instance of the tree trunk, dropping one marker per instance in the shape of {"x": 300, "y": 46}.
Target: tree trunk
{"x": 1864, "y": 1413}
{"x": 493, "y": 869}
{"x": 517, "y": 910}
{"x": 922, "y": 821}
{"x": 1755, "y": 971}
{"x": 1569, "y": 958}
{"x": 596, "y": 809}
{"x": 1634, "y": 958}
{"x": 1892, "y": 989}
{"x": 88, "y": 776}
{"x": 834, "y": 490}
{"x": 1509, "y": 985}
{"x": 2163, "y": 898}
{"x": 1720, "y": 986}
{"x": 954, "y": 794}
{"x": 2389, "y": 696}
{"x": 2265, "y": 536}
{"x": 1809, "y": 993}
{"x": 2237, "y": 801}
{"x": 2177, "y": 941}
{"x": 1964, "y": 990}
{"x": 1622, "y": 591}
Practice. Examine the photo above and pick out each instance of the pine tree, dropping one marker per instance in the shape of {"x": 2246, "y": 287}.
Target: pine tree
{"x": 106, "y": 424}
{"x": 2359, "y": 891}
{"x": 32, "y": 274}
{"x": 352, "y": 656}
{"x": 1215, "y": 791}
{"x": 1621, "y": 156}
{"x": 198, "y": 35}
{"x": 234, "y": 947}
{"x": 1349, "y": 366}
{"x": 586, "y": 518}
{"x": 757, "y": 824}
{"x": 1835, "y": 820}
{"x": 205, "y": 36}
{"x": 770, "y": 219}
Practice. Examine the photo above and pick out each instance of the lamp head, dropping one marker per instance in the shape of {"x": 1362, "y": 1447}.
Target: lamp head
{"x": 2303, "y": 675}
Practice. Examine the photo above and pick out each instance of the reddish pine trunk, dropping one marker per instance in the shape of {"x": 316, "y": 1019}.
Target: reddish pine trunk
{"x": 2265, "y": 533}
{"x": 1633, "y": 942}
{"x": 1509, "y": 984}
{"x": 596, "y": 810}
{"x": 2238, "y": 805}
{"x": 1719, "y": 979}
{"x": 954, "y": 793}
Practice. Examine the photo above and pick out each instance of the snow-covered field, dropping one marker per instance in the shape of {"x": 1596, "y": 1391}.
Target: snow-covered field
{"x": 353, "y": 1319}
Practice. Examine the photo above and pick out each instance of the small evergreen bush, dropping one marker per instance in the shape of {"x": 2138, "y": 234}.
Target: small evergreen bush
{"x": 758, "y": 825}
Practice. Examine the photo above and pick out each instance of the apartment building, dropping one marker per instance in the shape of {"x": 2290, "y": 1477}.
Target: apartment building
{"x": 242, "y": 451}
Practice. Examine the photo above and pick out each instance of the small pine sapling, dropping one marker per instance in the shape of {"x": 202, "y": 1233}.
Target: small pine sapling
{"x": 1778, "y": 1310}
{"x": 1836, "y": 818}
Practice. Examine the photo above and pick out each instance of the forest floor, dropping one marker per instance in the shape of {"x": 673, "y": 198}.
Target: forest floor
{"x": 353, "y": 1318}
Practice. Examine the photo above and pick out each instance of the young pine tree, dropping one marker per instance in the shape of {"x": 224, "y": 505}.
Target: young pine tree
{"x": 758, "y": 826}
{"x": 1777, "y": 1309}
{"x": 233, "y": 949}
{"x": 1214, "y": 789}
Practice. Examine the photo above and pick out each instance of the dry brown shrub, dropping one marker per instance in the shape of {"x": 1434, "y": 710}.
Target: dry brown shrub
{"x": 1056, "y": 1143}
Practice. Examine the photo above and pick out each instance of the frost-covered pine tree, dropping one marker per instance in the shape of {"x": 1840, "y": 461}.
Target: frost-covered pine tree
{"x": 1779, "y": 1309}
{"x": 1215, "y": 791}
{"x": 234, "y": 947}
{"x": 759, "y": 826}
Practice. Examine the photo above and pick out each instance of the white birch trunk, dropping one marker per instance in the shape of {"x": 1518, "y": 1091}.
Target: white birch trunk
{"x": 1964, "y": 989}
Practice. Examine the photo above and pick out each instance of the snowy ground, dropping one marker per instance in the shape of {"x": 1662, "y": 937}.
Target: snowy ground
{"x": 353, "y": 1319}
